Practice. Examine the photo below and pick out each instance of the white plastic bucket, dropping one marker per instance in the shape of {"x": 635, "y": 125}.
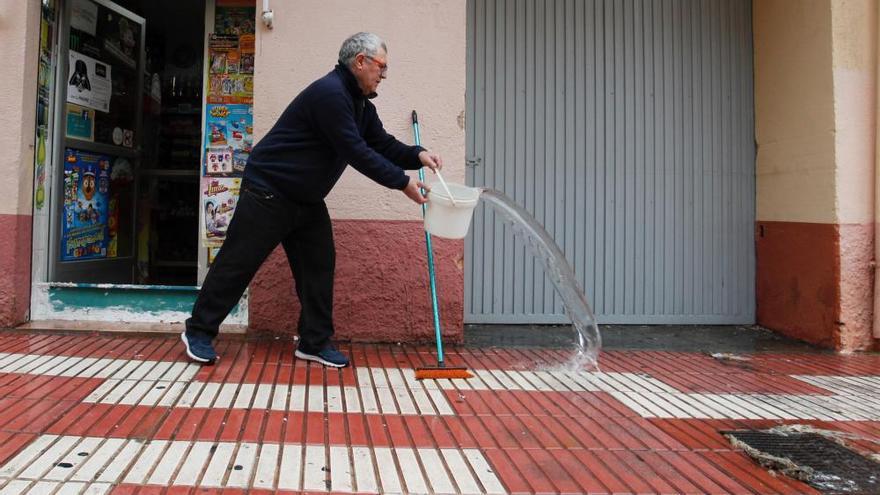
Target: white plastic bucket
{"x": 442, "y": 218}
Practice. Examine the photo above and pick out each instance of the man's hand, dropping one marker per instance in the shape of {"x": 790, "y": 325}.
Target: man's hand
{"x": 412, "y": 191}
{"x": 431, "y": 160}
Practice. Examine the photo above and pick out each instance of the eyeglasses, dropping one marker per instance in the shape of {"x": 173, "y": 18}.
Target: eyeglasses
{"x": 383, "y": 67}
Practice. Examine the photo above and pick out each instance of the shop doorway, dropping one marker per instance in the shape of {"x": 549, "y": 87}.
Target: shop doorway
{"x": 125, "y": 203}
{"x": 121, "y": 229}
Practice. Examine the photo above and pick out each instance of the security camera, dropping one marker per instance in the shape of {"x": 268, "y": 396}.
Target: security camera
{"x": 268, "y": 17}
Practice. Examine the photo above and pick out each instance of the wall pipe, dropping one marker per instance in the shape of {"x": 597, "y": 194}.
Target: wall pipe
{"x": 268, "y": 15}
{"x": 876, "y": 323}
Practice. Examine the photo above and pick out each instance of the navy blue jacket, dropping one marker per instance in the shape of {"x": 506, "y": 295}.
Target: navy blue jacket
{"x": 328, "y": 125}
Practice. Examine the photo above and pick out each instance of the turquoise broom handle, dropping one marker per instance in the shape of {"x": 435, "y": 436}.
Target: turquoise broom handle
{"x": 431, "y": 275}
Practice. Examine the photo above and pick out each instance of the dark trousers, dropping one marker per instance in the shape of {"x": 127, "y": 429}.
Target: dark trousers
{"x": 262, "y": 221}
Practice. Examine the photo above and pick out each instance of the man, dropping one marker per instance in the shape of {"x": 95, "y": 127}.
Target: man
{"x": 289, "y": 173}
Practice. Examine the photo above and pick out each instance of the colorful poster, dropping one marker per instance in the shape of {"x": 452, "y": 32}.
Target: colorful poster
{"x": 218, "y": 162}
{"x": 247, "y": 51}
{"x": 89, "y": 83}
{"x": 228, "y": 119}
{"x": 40, "y": 168}
{"x": 80, "y": 122}
{"x": 121, "y": 179}
{"x": 229, "y": 137}
{"x": 231, "y": 49}
{"x": 84, "y": 232}
{"x": 219, "y": 197}
{"x": 234, "y": 20}
{"x": 231, "y": 69}
{"x": 223, "y": 49}
{"x": 45, "y": 85}
{"x": 231, "y": 88}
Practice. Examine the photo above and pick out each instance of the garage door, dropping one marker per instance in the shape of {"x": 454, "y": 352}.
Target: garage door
{"x": 626, "y": 128}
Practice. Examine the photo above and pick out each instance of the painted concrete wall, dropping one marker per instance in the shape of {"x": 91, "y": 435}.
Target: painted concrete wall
{"x": 19, "y": 36}
{"x": 854, "y": 59}
{"x": 854, "y": 62}
{"x": 19, "y": 32}
{"x": 794, "y": 111}
{"x": 381, "y": 278}
{"x": 426, "y": 55}
{"x": 815, "y": 89}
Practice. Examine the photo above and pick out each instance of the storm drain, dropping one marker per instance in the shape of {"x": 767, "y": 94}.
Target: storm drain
{"x": 823, "y": 463}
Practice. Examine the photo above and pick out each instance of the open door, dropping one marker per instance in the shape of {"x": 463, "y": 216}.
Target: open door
{"x": 119, "y": 239}
{"x": 98, "y": 149}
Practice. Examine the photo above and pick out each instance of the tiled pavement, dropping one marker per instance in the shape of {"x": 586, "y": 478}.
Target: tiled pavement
{"x": 95, "y": 414}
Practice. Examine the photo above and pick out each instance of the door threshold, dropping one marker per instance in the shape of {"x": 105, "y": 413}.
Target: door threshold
{"x": 120, "y": 327}
{"x": 109, "y": 304}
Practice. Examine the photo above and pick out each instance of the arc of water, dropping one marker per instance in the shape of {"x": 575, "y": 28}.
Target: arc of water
{"x": 557, "y": 268}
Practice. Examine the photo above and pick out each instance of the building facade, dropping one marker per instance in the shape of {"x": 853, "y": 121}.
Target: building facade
{"x": 698, "y": 162}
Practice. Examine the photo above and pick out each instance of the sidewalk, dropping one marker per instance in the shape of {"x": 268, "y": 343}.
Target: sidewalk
{"x": 101, "y": 414}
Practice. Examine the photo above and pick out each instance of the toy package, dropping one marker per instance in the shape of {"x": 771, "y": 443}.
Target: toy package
{"x": 219, "y": 198}
{"x": 229, "y": 138}
{"x": 84, "y": 233}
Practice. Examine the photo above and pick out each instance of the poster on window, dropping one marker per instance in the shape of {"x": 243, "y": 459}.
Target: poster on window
{"x": 88, "y": 84}
{"x": 219, "y": 198}
{"x": 229, "y": 138}
{"x": 84, "y": 233}
{"x": 80, "y": 122}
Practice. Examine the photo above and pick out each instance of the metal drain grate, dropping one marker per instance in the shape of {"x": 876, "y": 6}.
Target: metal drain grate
{"x": 824, "y": 464}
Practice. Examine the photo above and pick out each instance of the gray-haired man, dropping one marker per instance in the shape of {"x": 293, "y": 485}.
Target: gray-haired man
{"x": 290, "y": 171}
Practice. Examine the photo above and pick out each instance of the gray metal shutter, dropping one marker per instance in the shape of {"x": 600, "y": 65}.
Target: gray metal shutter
{"x": 626, "y": 127}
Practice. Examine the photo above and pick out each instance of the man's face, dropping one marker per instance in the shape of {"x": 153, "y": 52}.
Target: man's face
{"x": 370, "y": 70}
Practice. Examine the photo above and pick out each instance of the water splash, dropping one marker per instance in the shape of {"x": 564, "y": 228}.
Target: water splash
{"x": 545, "y": 250}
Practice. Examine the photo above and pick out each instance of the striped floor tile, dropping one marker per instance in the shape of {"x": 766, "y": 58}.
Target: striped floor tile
{"x": 557, "y": 381}
{"x": 88, "y": 367}
{"x": 856, "y": 399}
{"x": 752, "y": 406}
{"x": 378, "y": 391}
{"x": 290, "y": 398}
{"x": 19, "y": 487}
{"x": 95, "y": 463}
{"x": 86, "y": 414}
{"x": 395, "y": 391}
{"x": 859, "y": 385}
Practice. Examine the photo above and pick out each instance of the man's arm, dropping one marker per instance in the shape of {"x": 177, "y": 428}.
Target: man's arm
{"x": 402, "y": 155}
{"x": 334, "y": 118}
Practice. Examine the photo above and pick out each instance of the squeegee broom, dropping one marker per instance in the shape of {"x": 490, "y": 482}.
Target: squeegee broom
{"x": 440, "y": 371}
